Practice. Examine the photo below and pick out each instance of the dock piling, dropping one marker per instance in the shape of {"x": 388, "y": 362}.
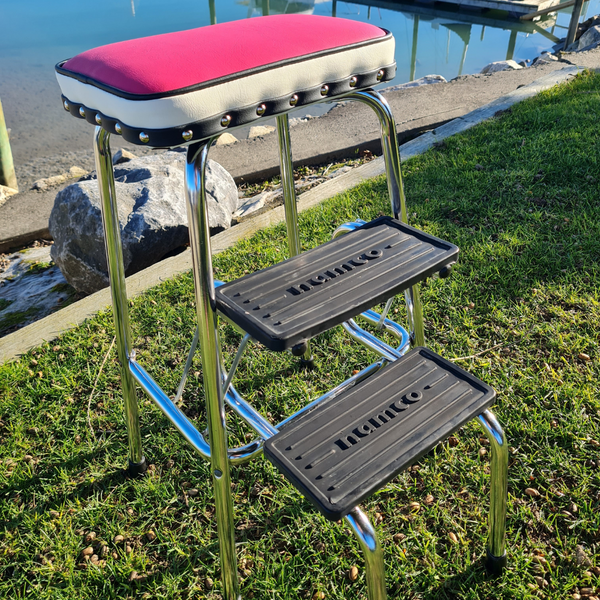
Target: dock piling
{"x": 7, "y": 169}
{"x": 573, "y": 23}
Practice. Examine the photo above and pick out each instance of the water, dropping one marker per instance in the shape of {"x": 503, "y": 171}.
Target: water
{"x": 36, "y": 34}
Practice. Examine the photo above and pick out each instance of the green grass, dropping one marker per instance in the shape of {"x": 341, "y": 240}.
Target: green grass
{"x": 38, "y": 267}
{"x": 519, "y": 196}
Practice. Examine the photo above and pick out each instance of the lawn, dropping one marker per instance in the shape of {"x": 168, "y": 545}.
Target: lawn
{"x": 519, "y": 196}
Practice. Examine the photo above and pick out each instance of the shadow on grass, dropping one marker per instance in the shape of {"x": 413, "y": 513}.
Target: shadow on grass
{"x": 73, "y": 468}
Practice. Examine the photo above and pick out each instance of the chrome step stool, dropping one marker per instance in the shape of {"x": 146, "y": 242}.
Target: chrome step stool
{"x": 185, "y": 89}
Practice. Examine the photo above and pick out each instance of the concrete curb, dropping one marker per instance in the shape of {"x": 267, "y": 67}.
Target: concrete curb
{"x": 50, "y": 327}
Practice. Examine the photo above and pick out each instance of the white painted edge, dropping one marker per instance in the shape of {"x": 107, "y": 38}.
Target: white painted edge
{"x": 50, "y": 327}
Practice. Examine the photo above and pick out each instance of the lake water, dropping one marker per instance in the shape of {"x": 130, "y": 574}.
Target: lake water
{"x": 430, "y": 39}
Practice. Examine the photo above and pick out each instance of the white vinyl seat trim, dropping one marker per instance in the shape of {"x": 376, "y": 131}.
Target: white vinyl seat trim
{"x": 179, "y": 110}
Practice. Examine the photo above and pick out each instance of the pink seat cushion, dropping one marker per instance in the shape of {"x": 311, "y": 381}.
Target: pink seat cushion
{"x": 191, "y": 80}
{"x": 180, "y": 60}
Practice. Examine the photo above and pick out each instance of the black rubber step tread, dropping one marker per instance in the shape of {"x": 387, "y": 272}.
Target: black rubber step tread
{"x": 348, "y": 447}
{"x": 303, "y": 296}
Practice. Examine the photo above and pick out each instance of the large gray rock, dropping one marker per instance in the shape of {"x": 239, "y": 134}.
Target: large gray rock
{"x": 426, "y": 80}
{"x": 152, "y": 213}
{"x": 590, "y": 39}
{"x": 544, "y": 57}
{"x": 501, "y": 65}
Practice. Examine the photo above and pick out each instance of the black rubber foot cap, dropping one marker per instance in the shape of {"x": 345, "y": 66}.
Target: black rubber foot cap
{"x": 300, "y": 349}
{"x": 137, "y": 469}
{"x": 495, "y": 565}
{"x": 308, "y": 363}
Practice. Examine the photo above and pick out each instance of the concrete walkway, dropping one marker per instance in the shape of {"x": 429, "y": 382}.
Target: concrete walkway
{"x": 347, "y": 129}
{"x": 442, "y": 109}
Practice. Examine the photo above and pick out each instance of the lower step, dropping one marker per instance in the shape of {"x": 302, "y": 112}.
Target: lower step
{"x": 348, "y": 447}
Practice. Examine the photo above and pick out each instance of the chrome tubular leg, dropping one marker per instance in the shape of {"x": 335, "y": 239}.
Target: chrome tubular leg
{"x": 287, "y": 183}
{"x": 197, "y": 157}
{"x": 116, "y": 271}
{"x": 369, "y": 544}
{"x": 389, "y": 145}
{"x": 414, "y": 311}
{"x": 289, "y": 199}
{"x": 496, "y": 553}
{"x": 391, "y": 156}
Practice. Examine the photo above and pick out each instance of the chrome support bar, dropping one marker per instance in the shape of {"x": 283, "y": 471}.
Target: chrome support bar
{"x": 336, "y": 391}
{"x": 116, "y": 271}
{"x": 414, "y": 312}
{"x": 369, "y": 544}
{"x": 370, "y": 341}
{"x": 179, "y": 420}
{"x": 389, "y": 145}
{"x": 206, "y": 311}
{"x": 236, "y": 362}
{"x": 385, "y": 312}
{"x": 247, "y": 412}
{"x": 287, "y": 183}
{"x": 496, "y": 553}
{"x": 347, "y": 227}
{"x": 391, "y": 326}
{"x": 243, "y": 454}
{"x": 183, "y": 424}
{"x": 289, "y": 197}
{"x": 391, "y": 156}
{"x": 188, "y": 366}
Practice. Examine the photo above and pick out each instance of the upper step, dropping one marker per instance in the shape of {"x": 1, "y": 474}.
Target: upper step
{"x": 303, "y": 296}
{"x": 348, "y": 447}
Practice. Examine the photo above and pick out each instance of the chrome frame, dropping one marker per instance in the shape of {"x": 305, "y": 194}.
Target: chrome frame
{"x": 371, "y": 548}
{"x": 218, "y": 384}
{"x": 187, "y": 367}
{"x": 116, "y": 271}
{"x": 496, "y": 553}
{"x": 289, "y": 199}
{"x": 206, "y": 313}
{"x": 236, "y": 362}
{"x": 393, "y": 170}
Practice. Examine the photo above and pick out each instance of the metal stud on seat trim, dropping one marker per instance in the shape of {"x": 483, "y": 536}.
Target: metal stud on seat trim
{"x": 172, "y": 135}
{"x": 187, "y": 135}
{"x": 144, "y": 137}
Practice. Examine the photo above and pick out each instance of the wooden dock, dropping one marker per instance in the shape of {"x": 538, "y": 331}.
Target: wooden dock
{"x": 452, "y": 12}
{"x": 515, "y": 8}
{"x": 460, "y": 20}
